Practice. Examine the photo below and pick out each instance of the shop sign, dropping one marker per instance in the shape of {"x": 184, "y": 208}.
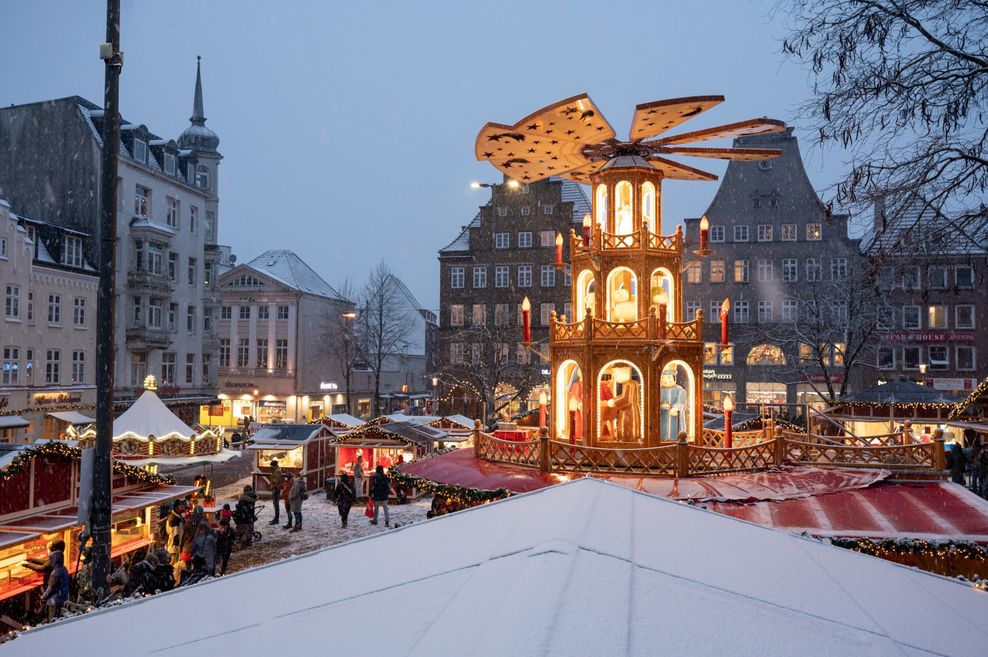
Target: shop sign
{"x": 48, "y": 399}
{"x": 328, "y": 385}
{"x": 272, "y": 403}
{"x": 168, "y": 389}
{"x": 710, "y": 374}
{"x": 821, "y": 378}
{"x": 931, "y": 336}
{"x": 239, "y": 384}
{"x": 952, "y": 384}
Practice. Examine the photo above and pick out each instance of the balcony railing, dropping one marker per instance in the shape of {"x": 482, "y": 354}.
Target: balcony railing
{"x": 254, "y": 371}
{"x": 152, "y": 337}
{"x": 642, "y": 240}
{"x": 648, "y": 328}
{"x": 148, "y": 281}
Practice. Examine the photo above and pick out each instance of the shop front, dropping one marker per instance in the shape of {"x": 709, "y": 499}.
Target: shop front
{"x": 32, "y": 414}
{"x": 718, "y": 383}
{"x": 763, "y": 392}
{"x": 301, "y": 449}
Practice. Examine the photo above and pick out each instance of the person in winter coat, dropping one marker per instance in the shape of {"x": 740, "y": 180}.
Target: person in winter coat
{"x": 174, "y": 524}
{"x": 44, "y": 566}
{"x": 274, "y": 482}
{"x": 358, "y": 475}
{"x": 141, "y": 578}
{"x": 295, "y": 497}
{"x": 225, "y": 540}
{"x": 57, "y": 592}
{"x": 958, "y": 463}
{"x": 380, "y": 489}
{"x": 286, "y": 489}
{"x": 204, "y": 551}
{"x": 345, "y": 497}
{"x": 243, "y": 515}
{"x": 164, "y": 576}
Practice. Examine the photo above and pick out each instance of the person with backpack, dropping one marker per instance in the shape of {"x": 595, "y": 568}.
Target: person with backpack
{"x": 295, "y": 497}
{"x": 164, "y": 575}
{"x": 274, "y": 483}
{"x": 204, "y": 551}
{"x": 243, "y": 515}
{"x": 225, "y": 540}
{"x": 380, "y": 489}
{"x": 141, "y": 577}
{"x": 345, "y": 497}
{"x": 57, "y": 593}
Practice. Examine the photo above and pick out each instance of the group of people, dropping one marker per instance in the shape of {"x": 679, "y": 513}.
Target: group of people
{"x": 969, "y": 467}
{"x": 291, "y": 490}
{"x": 193, "y": 545}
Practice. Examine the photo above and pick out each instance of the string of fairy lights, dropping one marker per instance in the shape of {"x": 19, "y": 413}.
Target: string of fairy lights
{"x": 460, "y": 496}
{"x": 22, "y": 461}
{"x": 886, "y": 548}
{"x": 976, "y": 394}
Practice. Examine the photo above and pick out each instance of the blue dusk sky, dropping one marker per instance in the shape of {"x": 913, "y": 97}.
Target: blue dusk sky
{"x": 348, "y": 128}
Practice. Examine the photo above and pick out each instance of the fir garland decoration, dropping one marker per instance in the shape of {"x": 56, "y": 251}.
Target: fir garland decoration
{"x": 915, "y": 546}
{"x": 459, "y": 495}
{"x": 61, "y": 450}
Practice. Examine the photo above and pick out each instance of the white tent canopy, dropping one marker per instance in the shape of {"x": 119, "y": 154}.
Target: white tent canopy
{"x": 148, "y": 416}
{"x": 72, "y": 417}
{"x": 584, "y": 568}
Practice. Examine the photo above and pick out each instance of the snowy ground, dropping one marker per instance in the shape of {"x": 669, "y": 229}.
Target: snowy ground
{"x": 320, "y": 526}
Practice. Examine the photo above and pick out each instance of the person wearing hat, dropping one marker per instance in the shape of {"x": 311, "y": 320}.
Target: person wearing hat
{"x": 274, "y": 482}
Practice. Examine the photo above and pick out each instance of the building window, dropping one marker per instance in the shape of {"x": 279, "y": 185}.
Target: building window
{"x": 964, "y": 317}
{"x": 72, "y": 251}
{"x": 11, "y": 365}
{"x": 937, "y": 317}
{"x": 814, "y": 270}
{"x": 965, "y": 359}
{"x": 169, "y": 164}
{"x": 190, "y": 320}
{"x": 764, "y": 312}
{"x": 139, "y": 255}
{"x": 691, "y": 308}
{"x": 171, "y": 211}
{"x": 567, "y": 274}
{"x": 965, "y": 277}
{"x": 12, "y": 302}
{"x": 716, "y": 271}
{"x": 526, "y": 210}
{"x": 766, "y": 355}
{"x": 548, "y": 276}
{"x": 173, "y": 317}
{"x": 173, "y": 267}
{"x": 3, "y": 247}
{"x": 263, "y": 312}
{"x": 886, "y": 358}
{"x": 911, "y": 278}
{"x": 138, "y": 367}
{"x": 886, "y": 318}
{"x": 502, "y": 211}
{"x": 939, "y": 357}
{"x": 716, "y": 233}
{"x": 168, "y": 367}
{"x": 210, "y": 225}
{"x": 479, "y": 314}
{"x": 936, "y": 278}
{"x": 501, "y": 314}
{"x": 501, "y": 276}
{"x": 30, "y": 306}
{"x": 545, "y": 313}
{"x": 910, "y": 318}
{"x": 547, "y": 209}
{"x": 714, "y": 315}
{"x": 456, "y": 314}
{"x": 740, "y": 271}
{"x": 788, "y": 232}
{"x": 193, "y": 266}
{"x": 456, "y": 353}
{"x": 155, "y": 257}
{"x": 262, "y": 352}
{"x": 140, "y": 151}
{"x": 766, "y": 271}
{"x": 764, "y": 233}
{"x": 206, "y": 362}
{"x": 740, "y": 233}
{"x": 838, "y": 269}
{"x": 142, "y": 202}
{"x": 55, "y": 309}
{"x": 207, "y": 320}
{"x": 243, "y": 352}
{"x": 282, "y": 312}
{"x": 814, "y": 232}
{"x": 790, "y": 270}
{"x": 226, "y": 312}
{"x": 207, "y": 276}
{"x": 480, "y": 277}
{"x": 193, "y": 218}
{"x": 547, "y": 239}
{"x": 154, "y": 313}
{"x": 281, "y": 354}
{"x": 524, "y": 276}
{"x": 137, "y": 310}
{"x": 202, "y": 177}
{"x": 456, "y": 277}
{"x": 224, "y": 352}
{"x": 79, "y": 312}
{"x": 501, "y": 241}
{"x": 521, "y": 353}
{"x": 53, "y": 365}
{"x": 694, "y": 273}
{"x": 790, "y": 310}
{"x": 740, "y": 312}
{"x": 244, "y": 312}
{"x": 190, "y": 368}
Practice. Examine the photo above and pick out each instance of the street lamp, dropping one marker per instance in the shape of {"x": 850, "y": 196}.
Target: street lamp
{"x": 922, "y": 374}
{"x": 512, "y": 184}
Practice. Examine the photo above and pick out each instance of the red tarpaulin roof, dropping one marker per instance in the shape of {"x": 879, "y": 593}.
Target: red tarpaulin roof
{"x": 820, "y": 501}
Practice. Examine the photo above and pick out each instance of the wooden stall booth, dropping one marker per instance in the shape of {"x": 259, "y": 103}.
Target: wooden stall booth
{"x": 302, "y": 449}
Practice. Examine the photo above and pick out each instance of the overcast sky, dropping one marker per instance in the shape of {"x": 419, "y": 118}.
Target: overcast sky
{"x": 347, "y": 128}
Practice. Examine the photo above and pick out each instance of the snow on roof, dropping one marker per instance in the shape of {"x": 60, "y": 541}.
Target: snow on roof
{"x": 918, "y": 229}
{"x": 149, "y": 416}
{"x": 573, "y": 193}
{"x": 72, "y": 417}
{"x": 284, "y": 435}
{"x": 462, "y": 242}
{"x": 581, "y": 568}
{"x": 347, "y": 419}
{"x": 287, "y": 268}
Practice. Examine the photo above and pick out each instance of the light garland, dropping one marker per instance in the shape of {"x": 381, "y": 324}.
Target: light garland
{"x": 459, "y": 496}
{"x": 61, "y": 450}
{"x": 916, "y": 546}
{"x": 959, "y": 408}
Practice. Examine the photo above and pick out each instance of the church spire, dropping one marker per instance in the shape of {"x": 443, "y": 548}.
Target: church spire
{"x": 198, "y": 117}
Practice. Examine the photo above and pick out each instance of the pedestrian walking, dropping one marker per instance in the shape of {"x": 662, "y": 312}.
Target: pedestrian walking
{"x": 57, "y": 592}
{"x": 296, "y": 496}
{"x": 275, "y": 479}
{"x": 345, "y": 497}
{"x": 380, "y": 489}
{"x": 225, "y": 540}
{"x": 286, "y": 490}
{"x": 243, "y": 515}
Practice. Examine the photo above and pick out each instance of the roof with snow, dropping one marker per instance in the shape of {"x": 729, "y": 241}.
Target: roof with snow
{"x": 148, "y": 416}
{"x": 287, "y": 268}
{"x": 285, "y": 436}
{"x": 576, "y": 569}
{"x": 920, "y": 229}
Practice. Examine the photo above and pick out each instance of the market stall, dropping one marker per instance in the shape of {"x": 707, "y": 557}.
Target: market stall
{"x": 303, "y": 449}
{"x": 57, "y": 423}
{"x": 884, "y": 408}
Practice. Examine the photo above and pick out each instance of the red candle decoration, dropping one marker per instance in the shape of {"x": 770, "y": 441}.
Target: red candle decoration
{"x": 526, "y": 320}
{"x": 728, "y": 429}
{"x": 725, "y": 310}
{"x": 586, "y": 229}
{"x": 704, "y": 229}
{"x": 559, "y": 249}
{"x": 543, "y": 404}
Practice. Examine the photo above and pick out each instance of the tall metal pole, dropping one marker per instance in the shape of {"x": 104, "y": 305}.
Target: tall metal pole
{"x": 105, "y": 332}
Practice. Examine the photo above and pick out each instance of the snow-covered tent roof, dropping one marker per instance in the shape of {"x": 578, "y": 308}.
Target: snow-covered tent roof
{"x": 346, "y": 419}
{"x": 148, "y": 416}
{"x": 583, "y": 568}
{"x": 285, "y": 436}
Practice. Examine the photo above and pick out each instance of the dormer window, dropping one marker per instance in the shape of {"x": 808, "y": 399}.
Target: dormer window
{"x": 140, "y": 151}
{"x": 202, "y": 177}
{"x": 169, "y": 164}
{"x": 72, "y": 251}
